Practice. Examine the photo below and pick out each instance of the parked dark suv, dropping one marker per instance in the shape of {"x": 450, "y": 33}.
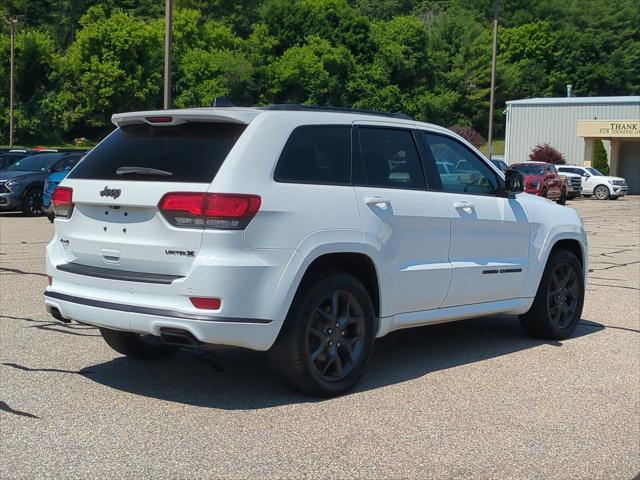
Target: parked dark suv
{"x": 22, "y": 183}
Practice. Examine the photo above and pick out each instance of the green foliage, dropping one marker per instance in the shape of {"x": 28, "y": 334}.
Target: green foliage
{"x": 600, "y": 161}
{"x": 79, "y": 61}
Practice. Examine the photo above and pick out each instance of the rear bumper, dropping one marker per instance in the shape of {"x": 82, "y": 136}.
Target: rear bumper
{"x": 251, "y": 314}
{"x": 255, "y": 334}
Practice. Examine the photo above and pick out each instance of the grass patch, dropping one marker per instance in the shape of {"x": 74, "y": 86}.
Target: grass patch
{"x": 498, "y": 147}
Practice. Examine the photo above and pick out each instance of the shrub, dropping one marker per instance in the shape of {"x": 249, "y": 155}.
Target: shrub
{"x": 546, "y": 153}
{"x": 469, "y": 134}
{"x": 600, "y": 158}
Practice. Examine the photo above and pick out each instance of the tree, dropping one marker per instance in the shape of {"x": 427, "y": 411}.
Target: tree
{"x": 600, "y": 161}
{"x": 114, "y": 64}
{"x": 469, "y": 134}
{"x": 546, "y": 153}
{"x": 313, "y": 73}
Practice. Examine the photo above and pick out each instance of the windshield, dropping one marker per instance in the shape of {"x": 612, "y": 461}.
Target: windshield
{"x": 594, "y": 172}
{"x": 529, "y": 169}
{"x": 35, "y": 163}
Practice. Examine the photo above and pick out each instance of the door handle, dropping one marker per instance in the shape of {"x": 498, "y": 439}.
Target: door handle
{"x": 463, "y": 205}
{"x": 378, "y": 201}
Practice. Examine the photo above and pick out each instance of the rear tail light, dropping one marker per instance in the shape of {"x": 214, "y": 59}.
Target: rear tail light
{"x": 62, "y": 202}
{"x": 227, "y": 211}
{"x": 206, "y": 303}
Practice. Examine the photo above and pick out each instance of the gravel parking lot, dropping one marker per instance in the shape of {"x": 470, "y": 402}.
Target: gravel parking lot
{"x": 469, "y": 399}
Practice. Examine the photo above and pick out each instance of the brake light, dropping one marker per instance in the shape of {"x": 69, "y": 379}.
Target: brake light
{"x": 227, "y": 211}
{"x": 206, "y": 303}
{"x": 62, "y": 202}
{"x": 159, "y": 119}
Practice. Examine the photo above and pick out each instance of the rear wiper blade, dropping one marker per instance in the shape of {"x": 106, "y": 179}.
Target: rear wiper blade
{"x": 142, "y": 171}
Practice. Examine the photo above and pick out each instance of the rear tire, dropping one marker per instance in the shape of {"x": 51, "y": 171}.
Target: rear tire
{"x": 327, "y": 339}
{"x": 137, "y": 346}
{"x": 557, "y": 307}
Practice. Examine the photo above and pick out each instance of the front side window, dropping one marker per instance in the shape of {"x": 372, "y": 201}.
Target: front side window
{"x": 459, "y": 169}
{"x": 389, "y": 158}
{"x": 318, "y": 154}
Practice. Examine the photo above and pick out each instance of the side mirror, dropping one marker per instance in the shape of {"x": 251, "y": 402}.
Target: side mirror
{"x": 67, "y": 169}
{"x": 514, "y": 182}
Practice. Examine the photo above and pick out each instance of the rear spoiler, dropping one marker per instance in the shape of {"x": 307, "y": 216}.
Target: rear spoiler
{"x": 242, "y": 116}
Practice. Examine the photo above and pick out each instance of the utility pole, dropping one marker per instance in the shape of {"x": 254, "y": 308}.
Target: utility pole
{"x": 493, "y": 76}
{"x": 13, "y": 22}
{"x": 168, "y": 38}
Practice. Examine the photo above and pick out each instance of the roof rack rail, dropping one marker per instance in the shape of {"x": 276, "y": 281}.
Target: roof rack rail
{"x": 319, "y": 108}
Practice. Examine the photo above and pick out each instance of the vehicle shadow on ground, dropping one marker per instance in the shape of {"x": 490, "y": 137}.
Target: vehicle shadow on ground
{"x": 237, "y": 379}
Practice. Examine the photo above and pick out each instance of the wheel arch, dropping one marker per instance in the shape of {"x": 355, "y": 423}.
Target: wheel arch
{"x": 351, "y": 259}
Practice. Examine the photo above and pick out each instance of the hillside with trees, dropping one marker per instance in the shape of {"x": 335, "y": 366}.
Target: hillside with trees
{"x": 79, "y": 61}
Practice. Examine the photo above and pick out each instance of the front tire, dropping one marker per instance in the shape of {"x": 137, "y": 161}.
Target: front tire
{"x": 601, "y": 192}
{"x": 557, "y": 307}
{"x": 144, "y": 347}
{"x": 327, "y": 340}
{"x": 32, "y": 206}
{"x": 563, "y": 198}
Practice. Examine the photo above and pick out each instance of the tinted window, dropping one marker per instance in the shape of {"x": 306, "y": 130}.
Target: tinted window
{"x": 191, "y": 152}
{"x": 389, "y": 158}
{"x": 36, "y": 163}
{"x": 67, "y": 163}
{"x": 316, "y": 154}
{"x": 459, "y": 169}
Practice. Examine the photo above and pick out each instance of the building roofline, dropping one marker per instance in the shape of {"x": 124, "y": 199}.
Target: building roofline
{"x": 577, "y": 101}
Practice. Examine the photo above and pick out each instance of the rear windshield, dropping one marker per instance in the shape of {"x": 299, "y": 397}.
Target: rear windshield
{"x": 191, "y": 152}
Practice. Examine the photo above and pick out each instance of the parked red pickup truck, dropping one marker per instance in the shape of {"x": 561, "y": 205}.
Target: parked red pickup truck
{"x": 542, "y": 179}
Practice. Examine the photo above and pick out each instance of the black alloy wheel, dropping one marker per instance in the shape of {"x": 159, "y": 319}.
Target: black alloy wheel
{"x": 563, "y": 295}
{"x": 335, "y": 337}
{"x": 33, "y": 203}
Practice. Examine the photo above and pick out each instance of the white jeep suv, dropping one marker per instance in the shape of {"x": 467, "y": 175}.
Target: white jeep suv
{"x": 308, "y": 232}
{"x": 594, "y": 183}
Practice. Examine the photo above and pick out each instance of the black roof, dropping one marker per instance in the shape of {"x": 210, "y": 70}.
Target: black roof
{"x": 319, "y": 108}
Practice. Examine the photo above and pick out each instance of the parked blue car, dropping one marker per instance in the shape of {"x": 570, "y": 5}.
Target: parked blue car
{"x": 59, "y": 172}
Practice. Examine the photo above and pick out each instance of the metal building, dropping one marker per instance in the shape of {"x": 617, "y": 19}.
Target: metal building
{"x": 572, "y": 125}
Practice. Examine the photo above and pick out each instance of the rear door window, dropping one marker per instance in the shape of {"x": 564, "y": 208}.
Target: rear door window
{"x": 190, "y": 152}
{"x": 389, "y": 158}
{"x": 319, "y": 154}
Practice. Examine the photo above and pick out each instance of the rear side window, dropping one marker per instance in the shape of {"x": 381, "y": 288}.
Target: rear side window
{"x": 191, "y": 152}
{"x": 389, "y": 158}
{"x": 318, "y": 154}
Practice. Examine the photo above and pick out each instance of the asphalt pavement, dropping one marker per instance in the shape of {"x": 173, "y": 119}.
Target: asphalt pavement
{"x": 471, "y": 399}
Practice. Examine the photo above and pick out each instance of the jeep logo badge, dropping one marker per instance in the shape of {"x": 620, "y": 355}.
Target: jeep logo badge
{"x": 110, "y": 192}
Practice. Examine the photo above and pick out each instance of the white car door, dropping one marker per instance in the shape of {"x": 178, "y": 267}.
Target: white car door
{"x": 408, "y": 225}
{"x": 489, "y": 232}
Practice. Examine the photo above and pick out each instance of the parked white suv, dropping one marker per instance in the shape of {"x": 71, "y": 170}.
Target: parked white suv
{"x": 594, "y": 183}
{"x": 303, "y": 231}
